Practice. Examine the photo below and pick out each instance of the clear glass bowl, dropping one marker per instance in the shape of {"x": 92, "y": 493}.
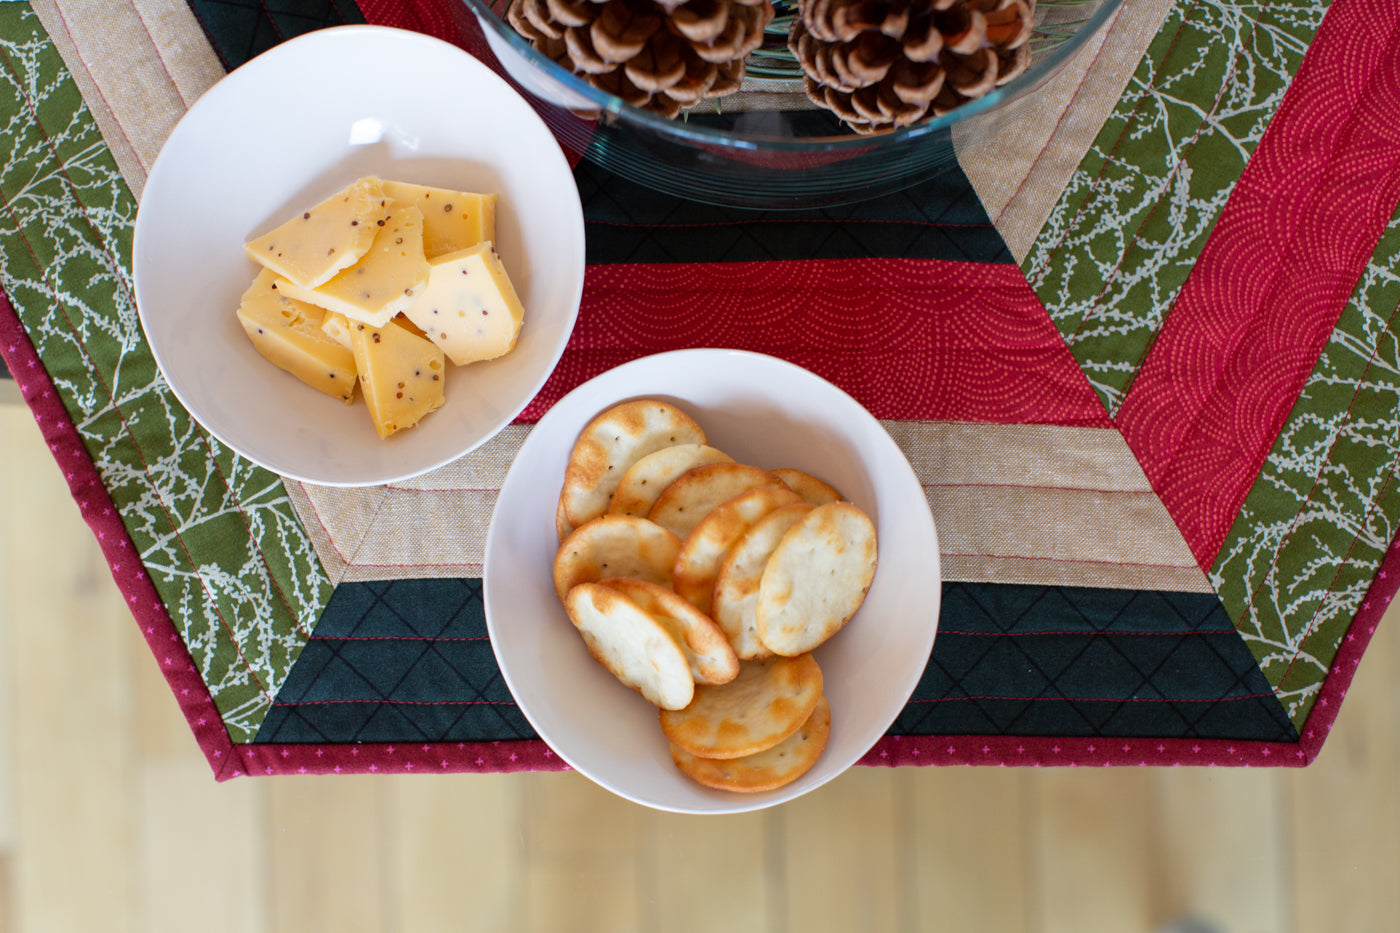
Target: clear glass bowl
{"x": 766, "y": 147}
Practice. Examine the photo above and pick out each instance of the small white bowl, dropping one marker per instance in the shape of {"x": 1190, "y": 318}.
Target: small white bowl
{"x": 290, "y": 128}
{"x": 759, "y": 410}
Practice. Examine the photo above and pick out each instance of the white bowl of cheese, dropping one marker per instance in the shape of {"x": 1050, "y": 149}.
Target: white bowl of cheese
{"x": 278, "y": 137}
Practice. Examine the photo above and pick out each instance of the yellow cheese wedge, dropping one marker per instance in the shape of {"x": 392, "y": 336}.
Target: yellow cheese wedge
{"x": 401, "y": 375}
{"x": 469, "y": 307}
{"x": 337, "y": 327}
{"x": 312, "y": 247}
{"x": 288, "y": 333}
{"x": 452, "y": 220}
{"x": 384, "y": 281}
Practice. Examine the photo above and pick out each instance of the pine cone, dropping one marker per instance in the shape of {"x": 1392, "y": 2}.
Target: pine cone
{"x": 879, "y": 64}
{"x": 660, "y": 55}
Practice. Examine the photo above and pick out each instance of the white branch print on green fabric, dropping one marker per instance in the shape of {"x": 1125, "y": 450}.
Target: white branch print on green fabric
{"x": 197, "y": 514}
{"x": 1299, "y": 558}
{"x": 1136, "y": 214}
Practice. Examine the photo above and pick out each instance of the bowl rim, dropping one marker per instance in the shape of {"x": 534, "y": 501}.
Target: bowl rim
{"x": 231, "y": 83}
{"x": 683, "y": 130}
{"x": 732, "y": 803}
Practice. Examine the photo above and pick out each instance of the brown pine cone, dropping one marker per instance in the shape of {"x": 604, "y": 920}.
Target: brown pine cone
{"x": 880, "y": 64}
{"x": 660, "y": 55}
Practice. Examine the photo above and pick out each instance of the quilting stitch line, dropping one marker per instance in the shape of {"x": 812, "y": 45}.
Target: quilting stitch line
{"x": 119, "y": 276}
{"x": 223, "y": 622}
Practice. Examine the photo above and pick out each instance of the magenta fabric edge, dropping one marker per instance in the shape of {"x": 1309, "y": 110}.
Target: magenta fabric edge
{"x": 123, "y": 562}
{"x": 398, "y": 758}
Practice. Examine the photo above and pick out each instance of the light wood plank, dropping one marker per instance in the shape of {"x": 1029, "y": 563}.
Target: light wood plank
{"x": 458, "y": 858}
{"x": 73, "y": 768}
{"x": 1091, "y": 848}
{"x": 966, "y": 826}
{"x": 839, "y": 858}
{"x": 324, "y": 842}
{"x": 693, "y": 857}
{"x": 1224, "y": 857}
{"x": 1343, "y": 812}
{"x": 202, "y": 851}
{"x": 583, "y": 850}
{"x": 581, "y": 898}
{"x": 567, "y": 816}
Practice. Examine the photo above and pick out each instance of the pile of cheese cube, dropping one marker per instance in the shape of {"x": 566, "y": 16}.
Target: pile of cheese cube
{"x": 377, "y": 286}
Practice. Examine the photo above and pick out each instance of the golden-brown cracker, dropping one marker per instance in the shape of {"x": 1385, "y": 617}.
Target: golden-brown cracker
{"x": 615, "y": 546}
{"x": 740, "y": 572}
{"x": 703, "y": 550}
{"x": 632, "y": 645}
{"x": 769, "y": 769}
{"x": 562, "y": 526}
{"x": 646, "y": 478}
{"x": 682, "y": 505}
{"x": 816, "y": 578}
{"x": 611, "y": 443}
{"x": 706, "y": 650}
{"x": 811, "y": 489}
{"x": 768, "y": 701}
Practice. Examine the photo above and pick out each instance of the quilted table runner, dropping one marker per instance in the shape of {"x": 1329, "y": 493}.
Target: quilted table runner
{"x": 1139, "y": 347}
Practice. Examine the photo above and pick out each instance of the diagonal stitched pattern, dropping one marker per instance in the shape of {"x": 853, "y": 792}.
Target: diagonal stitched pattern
{"x": 939, "y": 219}
{"x": 1019, "y": 660}
{"x": 242, "y": 29}
{"x": 197, "y": 515}
{"x": 395, "y": 662}
{"x": 408, "y": 661}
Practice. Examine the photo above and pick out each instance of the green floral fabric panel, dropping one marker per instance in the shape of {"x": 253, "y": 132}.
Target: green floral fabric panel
{"x": 1121, "y": 241}
{"x": 1300, "y": 556}
{"x": 197, "y": 514}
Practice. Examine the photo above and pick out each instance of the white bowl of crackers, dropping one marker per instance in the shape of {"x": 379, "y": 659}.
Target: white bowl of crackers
{"x": 711, "y": 581}
{"x": 358, "y": 256}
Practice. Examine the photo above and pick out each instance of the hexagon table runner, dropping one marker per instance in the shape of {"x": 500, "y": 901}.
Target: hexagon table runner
{"x": 1139, "y": 349}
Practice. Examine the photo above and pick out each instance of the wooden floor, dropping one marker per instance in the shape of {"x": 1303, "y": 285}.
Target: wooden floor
{"x": 110, "y": 820}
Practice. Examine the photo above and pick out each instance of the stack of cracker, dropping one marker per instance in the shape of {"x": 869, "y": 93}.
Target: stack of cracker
{"x": 705, "y": 585}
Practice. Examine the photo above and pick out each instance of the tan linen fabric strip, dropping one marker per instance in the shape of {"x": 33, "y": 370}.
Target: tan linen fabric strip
{"x": 338, "y": 521}
{"x": 139, "y": 65}
{"x": 1013, "y": 504}
{"x": 1020, "y": 159}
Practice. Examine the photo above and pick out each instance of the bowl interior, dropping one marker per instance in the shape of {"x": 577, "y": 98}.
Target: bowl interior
{"x": 290, "y": 128}
{"x": 763, "y": 411}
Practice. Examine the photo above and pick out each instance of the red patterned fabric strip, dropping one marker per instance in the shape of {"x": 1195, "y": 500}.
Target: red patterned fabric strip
{"x": 909, "y": 339}
{"x": 1260, "y": 304}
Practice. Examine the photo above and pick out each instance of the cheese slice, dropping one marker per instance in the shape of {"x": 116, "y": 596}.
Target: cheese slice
{"x": 288, "y": 333}
{"x": 337, "y": 327}
{"x": 469, "y": 307}
{"x": 401, "y": 375}
{"x": 384, "y": 281}
{"x": 312, "y": 247}
{"x": 452, "y": 220}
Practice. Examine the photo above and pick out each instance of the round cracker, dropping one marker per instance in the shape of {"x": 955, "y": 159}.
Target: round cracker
{"x": 562, "y": 526}
{"x": 633, "y": 646}
{"x": 609, "y": 445}
{"x": 769, "y": 769}
{"x": 615, "y": 546}
{"x": 816, "y": 578}
{"x": 694, "y": 493}
{"x": 811, "y": 489}
{"x": 645, "y": 479}
{"x": 703, "y": 550}
{"x": 768, "y": 701}
{"x": 706, "y": 650}
{"x": 740, "y": 573}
